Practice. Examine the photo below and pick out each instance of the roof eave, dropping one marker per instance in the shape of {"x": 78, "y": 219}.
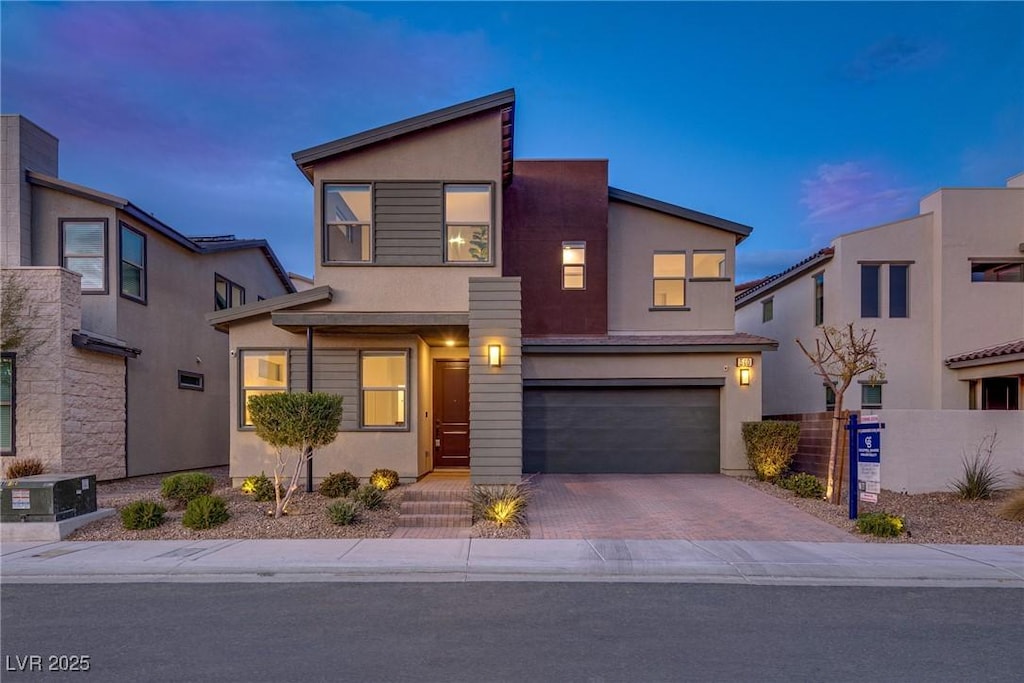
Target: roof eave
{"x": 754, "y": 293}
{"x": 222, "y": 320}
{"x": 740, "y": 230}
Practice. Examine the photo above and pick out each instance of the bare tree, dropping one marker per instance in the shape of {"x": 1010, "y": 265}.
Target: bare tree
{"x": 841, "y": 355}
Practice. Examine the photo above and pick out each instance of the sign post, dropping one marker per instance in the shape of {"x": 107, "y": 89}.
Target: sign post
{"x": 865, "y": 460}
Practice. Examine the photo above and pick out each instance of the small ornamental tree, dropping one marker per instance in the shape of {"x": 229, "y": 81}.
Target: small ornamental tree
{"x": 294, "y": 424}
{"x": 841, "y": 355}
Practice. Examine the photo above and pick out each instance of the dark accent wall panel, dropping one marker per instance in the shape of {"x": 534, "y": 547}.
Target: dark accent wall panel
{"x": 407, "y": 223}
{"x": 550, "y": 202}
{"x": 335, "y": 371}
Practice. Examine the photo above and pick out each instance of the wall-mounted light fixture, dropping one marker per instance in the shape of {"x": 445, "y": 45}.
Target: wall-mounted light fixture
{"x": 744, "y": 363}
{"x": 744, "y": 377}
{"x": 494, "y": 355}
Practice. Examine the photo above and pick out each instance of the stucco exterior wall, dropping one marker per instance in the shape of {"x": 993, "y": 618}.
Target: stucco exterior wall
{"x": 70, "y": 409}
{"x": 24, "y": 146}
{"x": 634, "y": 234}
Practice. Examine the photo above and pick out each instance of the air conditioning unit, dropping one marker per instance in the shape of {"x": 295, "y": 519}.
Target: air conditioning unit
{"x": 47, "y": 497}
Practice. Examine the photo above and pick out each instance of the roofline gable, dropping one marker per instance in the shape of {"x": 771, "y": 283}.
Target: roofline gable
{"x": 742, "y": 231}
{"x": 774, "y": 282}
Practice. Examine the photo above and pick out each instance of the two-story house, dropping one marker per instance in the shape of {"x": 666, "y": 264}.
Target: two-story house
{"x": 505, "y": 316}
{"x": 119, "y": 373}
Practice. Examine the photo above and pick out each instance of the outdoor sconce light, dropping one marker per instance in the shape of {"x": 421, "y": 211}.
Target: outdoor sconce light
{"x": 744, "y": 377}
{"x": 494, "y": 355}
{"x": 744, "y": 363}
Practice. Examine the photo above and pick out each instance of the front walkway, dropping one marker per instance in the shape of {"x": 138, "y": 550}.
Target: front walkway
{"x": 696, "y": 507}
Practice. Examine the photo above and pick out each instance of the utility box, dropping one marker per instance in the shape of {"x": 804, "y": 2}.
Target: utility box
{"x": 47, "y": 497}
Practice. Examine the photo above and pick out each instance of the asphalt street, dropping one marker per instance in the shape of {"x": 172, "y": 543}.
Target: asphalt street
{"x": 509, "y": 632}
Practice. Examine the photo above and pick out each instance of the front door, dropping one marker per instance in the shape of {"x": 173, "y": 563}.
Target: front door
{"x": 451, "y": 413}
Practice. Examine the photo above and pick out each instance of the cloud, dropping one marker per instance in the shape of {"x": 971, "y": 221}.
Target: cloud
{"x": 889, "y": 56}
{"x": 849, "y": 195}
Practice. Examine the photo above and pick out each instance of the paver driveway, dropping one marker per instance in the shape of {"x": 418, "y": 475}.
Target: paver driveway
{"x": 667, "y": 506}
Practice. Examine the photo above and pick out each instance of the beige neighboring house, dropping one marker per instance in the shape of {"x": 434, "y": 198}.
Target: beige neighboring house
{"x": 945, "y": 292}
{"x": 121, "y": 375}
{"x": 496, "y": 316}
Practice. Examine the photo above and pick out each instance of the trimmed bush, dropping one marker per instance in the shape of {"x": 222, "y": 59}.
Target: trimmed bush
{"x": 343, "y": 512}
{"x": 384, "y": 479}
{"x": 142, "y": 514}
{"x": 338, "y": 484}
{"x": 881, "y": 524}
{"x": 260, "y": 487}
{"x": 1013, "y": 508}
{"x": 205, "y": 512}
{"x": 187, "y": 486}
{"x": 505, "y": 504}
{"x": 771, "y": 445}
{"x": 370, "y": 497}
{"x": 25, "y": 467}
{"x": 803, "y": 485}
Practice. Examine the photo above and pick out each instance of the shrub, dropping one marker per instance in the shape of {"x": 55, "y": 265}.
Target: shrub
{"x": 503, "y": 505}
{"x": 980, "y": 478}
{"x": 261, "y": 487}
{"x": 338, "y": 484}
{"x": 25, "y": 467}
{"x": 205, "y": 512}
{"x": 803, "y": 485}
{"x": 771, "y": 445}
{"x": 1013, "y": 508}
{"x": 384, "y": 479}
{"x": 184, "y": 487}
{"x": 142, "y": 514}
{"x": 881, "y": 524}
{"x": 370, "y": 497}
{"x": 343, "y": 512}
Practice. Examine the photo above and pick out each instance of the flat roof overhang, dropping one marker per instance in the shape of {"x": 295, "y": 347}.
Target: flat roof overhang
{"x": 436, "y": 329}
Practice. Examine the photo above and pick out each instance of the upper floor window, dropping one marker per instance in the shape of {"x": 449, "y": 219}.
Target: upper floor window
{"x": 133, "y": 264}
{"x": 347, "y": 223}
{"x": 869, "y": 291}
{"x": 709, "y": 265}
{"x": 383, "y": 381}
{"x": 899, "y": 290}
{"x": 7, "y": 404}
{"x": 227, "y": 294}
{"x": 767, "y": 310}
{"x": 467, "y": 223}
{"x": 670, "y": 280}
{"x": 997, "y": 271}
{"x": 819, "y": 298}
{"x": 84, "y": 250}
{"x": 574, "y": 265}
{"x": 263, "y": 372}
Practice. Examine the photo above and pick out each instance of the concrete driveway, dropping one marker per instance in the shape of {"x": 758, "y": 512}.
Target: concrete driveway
{"x": 707, "y": 507}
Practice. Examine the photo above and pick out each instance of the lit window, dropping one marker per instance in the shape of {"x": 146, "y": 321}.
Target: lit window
{"x": 869, "y": 290}
{"x": 709, "y": 265}
{"x": 263, "y": 372}
{"x": 227, "y": 294}
{"x": 84, "y": 250}
{"x": 347, "y": 211}
{"x": 997, "y": 271}
{"x": 383, "y": 380}
{"x": 7, "y": 403}
{"x": 899, "y": 291}
{"x": 767, "y": 310}
{"x": 133, "y": 264}
{"x": 819, "y": 298}
{"x": 871, "y": 396}
{"x": 574, "y": 265}
{"x": 669, "y": 280}
{"x": 467, "y": 223}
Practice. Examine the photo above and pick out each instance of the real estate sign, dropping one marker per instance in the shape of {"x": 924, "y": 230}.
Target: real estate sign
{"x": 869, "y": 462}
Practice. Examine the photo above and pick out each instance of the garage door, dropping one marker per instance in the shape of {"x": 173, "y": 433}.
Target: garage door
{"x": 620, "y": 429}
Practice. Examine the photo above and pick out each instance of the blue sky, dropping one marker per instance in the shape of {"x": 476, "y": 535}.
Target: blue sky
{"x": 803, "y": 120}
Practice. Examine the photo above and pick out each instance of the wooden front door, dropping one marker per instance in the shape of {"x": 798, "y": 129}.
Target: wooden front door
{"x": 451, "y": 413}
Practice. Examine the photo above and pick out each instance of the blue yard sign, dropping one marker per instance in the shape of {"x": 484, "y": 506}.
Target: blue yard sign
{"x": 865, "y": 460}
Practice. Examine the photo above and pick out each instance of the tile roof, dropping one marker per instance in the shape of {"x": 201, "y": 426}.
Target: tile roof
{"x": 750, "y": 290}
{"x": 1006, "y": 349}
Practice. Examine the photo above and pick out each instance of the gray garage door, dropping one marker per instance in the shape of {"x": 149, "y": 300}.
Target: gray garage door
{"x": 620, "y": 429}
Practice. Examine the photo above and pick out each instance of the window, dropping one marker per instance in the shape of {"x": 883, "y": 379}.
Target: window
{"x": 133, "y": 264}
{"x": 574, "y": 265}
{"x": 227, "y": 294}
{"x": 84, "y": 250}
{"x": 709, "y": 265}
{"x": 467, "y": 223}
{"x": 7, "y": 403}
{"x": 1000, "y": 393}
{"x": 347, "y": 212}
{"x": 190, "y": 380}
{"x": 767, "y": 310}
{"x": 899, "y": 291}
{"x": 871, "y": 396}
{"x": 263, "y": 372}
{"x": 830, "y": 399}
{"x": 383, "y": 379}
{"x": 819, "y": 298}
{"x": 997, "y": 271}
{"x": 869, "y": 290}
{"x": 670, "y": 280}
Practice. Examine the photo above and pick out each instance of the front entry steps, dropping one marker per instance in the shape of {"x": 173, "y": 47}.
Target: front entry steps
{"x": 436, "y": 507}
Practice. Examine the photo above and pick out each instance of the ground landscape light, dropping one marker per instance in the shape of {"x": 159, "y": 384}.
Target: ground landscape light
{"x": 494, "y": 355}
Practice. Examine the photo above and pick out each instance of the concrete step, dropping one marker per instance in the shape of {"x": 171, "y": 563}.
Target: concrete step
{"x": 435, "y": 507}
{"x": 417, "y": 520}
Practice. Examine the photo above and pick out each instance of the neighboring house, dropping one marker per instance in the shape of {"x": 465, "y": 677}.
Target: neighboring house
{"x": 504, "y": 316}
{"x": 945, "y": 292}
{"x": 301, "y": 282}
{"x": 126, "y": 378}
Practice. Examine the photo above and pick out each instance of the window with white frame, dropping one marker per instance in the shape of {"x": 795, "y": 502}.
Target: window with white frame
{"x": 669, "y": 279}
{"x": 467, "y": 223}
{"x": 262, "y": 372}
{"x": 348, "y": 209}
{"x": 84, "y": 251}
{"x": 383, "y": 380}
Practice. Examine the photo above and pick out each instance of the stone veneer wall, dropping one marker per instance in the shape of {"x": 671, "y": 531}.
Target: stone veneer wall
{"x": 70, "y": 403}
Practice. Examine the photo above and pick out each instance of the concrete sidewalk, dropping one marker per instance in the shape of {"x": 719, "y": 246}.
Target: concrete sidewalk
{"x": 400, "y": 560}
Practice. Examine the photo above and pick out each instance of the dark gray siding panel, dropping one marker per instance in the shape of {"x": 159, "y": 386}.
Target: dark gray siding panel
{"x": 407, "y": 219}
{"x": 335, "y": 371}
{"x": 621, "y": 430}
